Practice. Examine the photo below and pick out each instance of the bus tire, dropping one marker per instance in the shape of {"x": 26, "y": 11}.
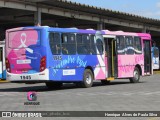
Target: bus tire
{"x": 136, "y": 76}
{"x": 54, "y": 85}
{"x": 105, "y": 82}
{"x": 87, "y": 79}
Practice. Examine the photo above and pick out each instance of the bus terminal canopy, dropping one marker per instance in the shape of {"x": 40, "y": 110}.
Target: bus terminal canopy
{"x": 73, "y": 10}
{"x": 57, "y": 12}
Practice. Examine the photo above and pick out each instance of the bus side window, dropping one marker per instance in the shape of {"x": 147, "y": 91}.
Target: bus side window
{"x": 137, "y": 45}
{"x": 120, "y": 45}
{"x": 93, "y": 45}
{"x": 54, "y": 41}
{"x": 99, "y": 45}
{"x": 86, "y": 43}
{"x": 129, "y": 45}
{"x": 83, "y": 43}
{"x": 79, "y": 43}
{"x": 68, "y": 43}
{"x": 71, "y": 46}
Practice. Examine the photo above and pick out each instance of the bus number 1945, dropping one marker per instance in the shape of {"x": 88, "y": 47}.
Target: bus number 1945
{"x": 25, "y": 77}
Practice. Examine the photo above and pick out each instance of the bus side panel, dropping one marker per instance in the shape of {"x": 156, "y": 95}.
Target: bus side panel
{"x": 100, "y": 70}
{"x": 71, "y": 67}
{"x": 66, "y": 74}
{"x": 127, "y": 63}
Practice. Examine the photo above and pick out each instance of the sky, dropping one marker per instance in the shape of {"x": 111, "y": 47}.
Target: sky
{"x": 146, "y": 8}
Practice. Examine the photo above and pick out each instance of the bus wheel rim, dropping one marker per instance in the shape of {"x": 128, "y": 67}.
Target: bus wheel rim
{"x": 136, "y": 76}
{"x": 88, "y": 78}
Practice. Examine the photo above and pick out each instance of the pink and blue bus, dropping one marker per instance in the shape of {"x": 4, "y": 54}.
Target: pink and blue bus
{"x": 59, "y": 55}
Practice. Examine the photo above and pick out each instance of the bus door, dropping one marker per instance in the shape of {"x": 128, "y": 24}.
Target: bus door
{"x": 147, "y": 57}
{"x": 1, "y": 62}
{"x": 111, "y": 56}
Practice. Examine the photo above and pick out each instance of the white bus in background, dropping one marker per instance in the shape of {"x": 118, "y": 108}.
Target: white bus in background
{"x": 2, "y": 60}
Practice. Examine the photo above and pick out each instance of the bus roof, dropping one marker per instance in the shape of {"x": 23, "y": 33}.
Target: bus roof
{"x": 90, "y": 31}
{"x": 126, "y": 33}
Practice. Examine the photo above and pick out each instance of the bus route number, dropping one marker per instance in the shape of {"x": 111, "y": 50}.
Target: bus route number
{"x": 25, "y": 77}
{"x": 57, "y": 57}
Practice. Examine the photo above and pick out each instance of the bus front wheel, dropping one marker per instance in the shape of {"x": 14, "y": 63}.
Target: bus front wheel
{"x": 87, "y": 79}
{"x": 54, "y": 85}
{"x": 136, "y": 76}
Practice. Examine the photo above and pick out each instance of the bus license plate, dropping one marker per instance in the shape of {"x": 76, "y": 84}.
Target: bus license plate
{"x": 27, "y": 61}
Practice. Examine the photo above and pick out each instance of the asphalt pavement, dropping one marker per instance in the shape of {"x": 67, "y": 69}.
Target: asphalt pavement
{"x": 119, "y": 95}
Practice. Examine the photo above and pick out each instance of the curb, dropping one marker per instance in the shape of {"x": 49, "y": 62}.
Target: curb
{"x": 4, "y": 81}
{"x": 156, "y": 72}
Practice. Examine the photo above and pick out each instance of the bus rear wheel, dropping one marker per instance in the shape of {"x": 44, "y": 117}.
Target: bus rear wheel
{"x": 54, "y": 85}
{"x": 136, "y": 76}
{"x": 87, "y": 79}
